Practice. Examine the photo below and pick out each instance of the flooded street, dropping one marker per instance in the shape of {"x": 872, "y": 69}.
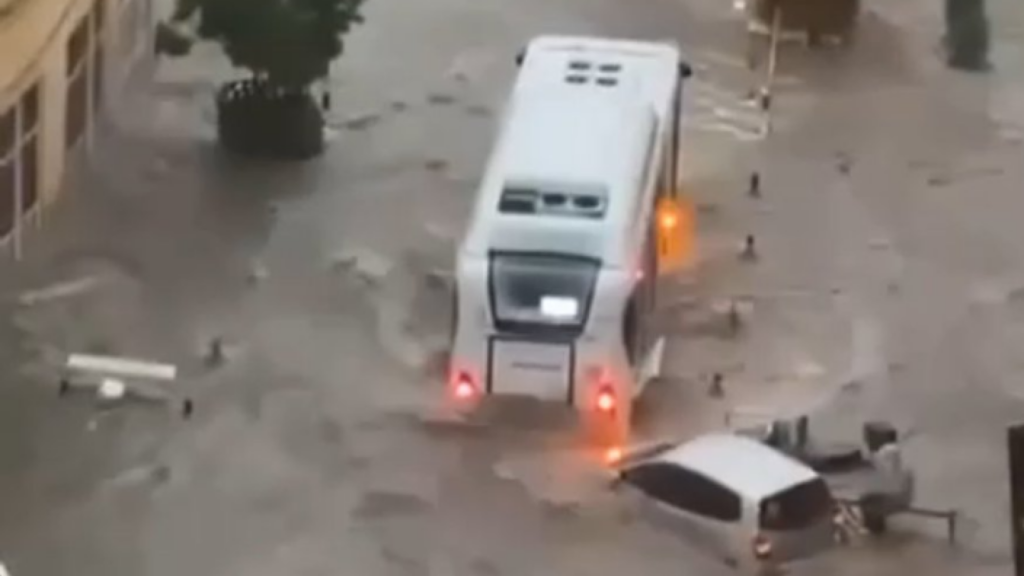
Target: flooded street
{"x": 890, "y": 265}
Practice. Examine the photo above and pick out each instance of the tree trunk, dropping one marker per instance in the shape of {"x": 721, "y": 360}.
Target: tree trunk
{"x": 967, "y": 35}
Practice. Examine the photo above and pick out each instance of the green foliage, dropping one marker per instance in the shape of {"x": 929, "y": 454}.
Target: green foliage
{"x": 967, "y": 35}
{"x": 288, "y": 43}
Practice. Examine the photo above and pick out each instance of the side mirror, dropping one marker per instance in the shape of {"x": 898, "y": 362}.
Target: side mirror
{"x": 685, "y": 70}
{"x": 520, "y": 57}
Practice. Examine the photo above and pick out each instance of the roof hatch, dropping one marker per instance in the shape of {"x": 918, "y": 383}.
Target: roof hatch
{"x": 521, "y": 200}
{"x": 602, "y": 73}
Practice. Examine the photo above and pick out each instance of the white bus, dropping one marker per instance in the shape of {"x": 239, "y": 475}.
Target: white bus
{"x": 556, "y": 274}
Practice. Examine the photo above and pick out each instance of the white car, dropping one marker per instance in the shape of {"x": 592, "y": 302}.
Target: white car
{"x": 736, "y": 498}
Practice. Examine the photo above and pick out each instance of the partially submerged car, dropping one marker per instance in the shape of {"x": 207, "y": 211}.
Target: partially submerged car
{"x": 743, "y": 501}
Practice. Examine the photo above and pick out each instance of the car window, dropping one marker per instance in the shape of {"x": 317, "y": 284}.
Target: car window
{"x": 797, "y": 507}
{"x": 686, "y": 490}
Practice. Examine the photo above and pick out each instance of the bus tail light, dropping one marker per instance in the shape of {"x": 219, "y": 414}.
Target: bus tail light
{"x": 606, "y": 399}
{"x": 763, "y": 548}
{"x": 464, "y": 388}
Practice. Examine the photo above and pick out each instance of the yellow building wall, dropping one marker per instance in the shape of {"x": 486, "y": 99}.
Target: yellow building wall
{"x": 34, "y": 38}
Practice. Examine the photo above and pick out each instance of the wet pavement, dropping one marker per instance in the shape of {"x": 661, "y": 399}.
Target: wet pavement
{"x": 887, "y": 286}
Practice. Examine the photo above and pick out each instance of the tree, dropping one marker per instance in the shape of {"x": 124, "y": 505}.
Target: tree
{"x": 287, "y": 45}
{"x": 967, "y": 35}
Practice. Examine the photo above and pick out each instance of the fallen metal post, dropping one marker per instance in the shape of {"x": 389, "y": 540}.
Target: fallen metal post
{"x": 950, "y": 516}
{"x": 124, "y": 367}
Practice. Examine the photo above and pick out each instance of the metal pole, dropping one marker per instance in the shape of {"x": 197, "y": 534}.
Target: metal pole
{"x": 1015, "y": 449}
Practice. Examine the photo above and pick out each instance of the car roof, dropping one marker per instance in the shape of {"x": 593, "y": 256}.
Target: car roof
{"x": 746, "y": 466}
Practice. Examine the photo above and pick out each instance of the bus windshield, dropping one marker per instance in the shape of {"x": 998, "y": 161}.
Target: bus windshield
{"x": 541, "y": 290}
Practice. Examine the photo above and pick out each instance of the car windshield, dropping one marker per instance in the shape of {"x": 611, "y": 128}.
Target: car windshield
{"x": 541, "y": 289}
{"x": 798, "y": 507}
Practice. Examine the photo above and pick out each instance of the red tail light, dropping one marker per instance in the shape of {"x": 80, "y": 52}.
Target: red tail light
{"x": 464, "y": 389}
{"x": 762, "y": 547}
{"x": 606, "y": 399}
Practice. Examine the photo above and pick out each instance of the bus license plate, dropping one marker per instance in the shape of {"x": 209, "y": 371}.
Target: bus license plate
{"x": 538, "y": 370}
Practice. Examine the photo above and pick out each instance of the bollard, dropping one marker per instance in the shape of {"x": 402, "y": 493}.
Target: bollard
{"x": 187, "y": 408}
{"x": 843, "y": 164}
{"x": 764, "y": 100}
{"x": 716, "y": 390}
{"x": 755, "y": 185}
{"x": 749, "y": 248}
{"x": 735, "y": 321}
{"x": 215, "y": 352}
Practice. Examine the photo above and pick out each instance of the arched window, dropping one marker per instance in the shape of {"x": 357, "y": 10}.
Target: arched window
{"x": 77, "y": 104}
{"x": 19, "y": 159}
{"x": 8, "y": 138}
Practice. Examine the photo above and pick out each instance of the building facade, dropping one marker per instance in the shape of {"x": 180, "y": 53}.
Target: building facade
{"x": 59, "y": 59}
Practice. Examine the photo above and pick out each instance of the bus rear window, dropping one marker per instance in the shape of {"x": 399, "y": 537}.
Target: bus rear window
{"x": 798, "y": 507}
{"x": 541, "y": 290}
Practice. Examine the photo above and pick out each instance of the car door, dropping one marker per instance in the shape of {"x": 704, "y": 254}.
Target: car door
{"x": 688, "y": 504}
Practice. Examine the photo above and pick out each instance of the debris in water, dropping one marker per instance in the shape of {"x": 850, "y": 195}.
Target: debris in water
{"x": 58, "y": 290}
{"x": 147, "y": 474}
{"x": 479, "y": 110}
{"x": 441, "y": 99}
{"x": 369, "y": 266}
{"x": 361, "y": 121}
{"x": 435, "y": 165}
{"x": 111, "y": 389}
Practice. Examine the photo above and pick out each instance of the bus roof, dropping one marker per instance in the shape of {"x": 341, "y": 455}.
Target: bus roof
{"x": 577, "y": 134}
